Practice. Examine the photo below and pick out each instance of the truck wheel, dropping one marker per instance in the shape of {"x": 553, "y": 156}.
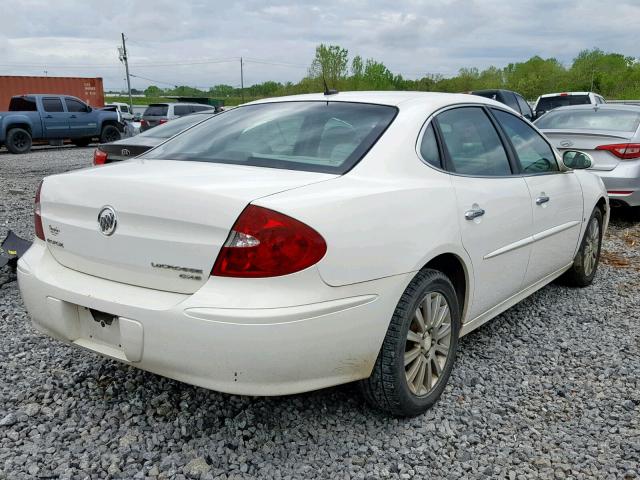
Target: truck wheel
{"x": 18, "y": 140}
{"x": 81, "y": 142}
{"x": 109, "y": 134}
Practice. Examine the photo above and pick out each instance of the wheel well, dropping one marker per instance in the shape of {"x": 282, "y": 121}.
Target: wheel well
{"x": 452, "y": 267}
{"x": 24, "y": 126}
{"x": 602, "y": 205}
{"x": 112, "y": 123}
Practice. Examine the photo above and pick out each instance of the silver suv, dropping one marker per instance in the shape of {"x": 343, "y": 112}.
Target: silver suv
{"x": 159, "y": 113}
{"x": 554, "y": 100}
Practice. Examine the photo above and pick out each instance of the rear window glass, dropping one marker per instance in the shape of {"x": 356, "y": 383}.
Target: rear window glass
{"x": 23, "y": 104}
{"x": 156, "y": 110}
{"x": 321, "y": 136}
{"x": 51, "y": 104}
{"x": 591, "y": 119}
{"x": 549, "y": 103}
{"x": 174, "y": 127}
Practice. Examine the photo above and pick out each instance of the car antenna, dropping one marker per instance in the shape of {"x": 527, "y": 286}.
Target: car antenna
{"x": 327, "y": 90}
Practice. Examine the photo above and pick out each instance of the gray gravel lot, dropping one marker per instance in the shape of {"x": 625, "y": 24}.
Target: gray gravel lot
{"x": 549, "y": 389}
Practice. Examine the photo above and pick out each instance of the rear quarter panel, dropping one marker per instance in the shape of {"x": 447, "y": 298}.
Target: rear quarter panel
{"x": 9, "y": 119}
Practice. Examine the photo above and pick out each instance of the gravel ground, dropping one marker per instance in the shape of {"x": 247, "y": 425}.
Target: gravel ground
{"x": 549, "y": 389}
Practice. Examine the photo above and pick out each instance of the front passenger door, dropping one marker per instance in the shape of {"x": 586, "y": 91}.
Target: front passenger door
{"x": 493, "y": 205}
{"x": 81, "y": 122}
{"x": 556, "y": 198}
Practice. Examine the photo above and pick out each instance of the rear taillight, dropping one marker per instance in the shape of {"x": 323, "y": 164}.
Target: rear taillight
{"x": 37, "y": 219}
{"x": 625, "y": 151}
{"x": 99, "y": 157}
{"x": 144, "y": 123}
{"x": 265, "y": 243}
{"x": 162, "y": 120}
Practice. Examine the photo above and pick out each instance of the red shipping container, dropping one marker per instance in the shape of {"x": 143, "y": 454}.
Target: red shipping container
{"x": 89, "y": 90}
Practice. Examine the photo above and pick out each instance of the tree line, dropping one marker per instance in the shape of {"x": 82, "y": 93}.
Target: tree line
{"x": 612, "y": 75}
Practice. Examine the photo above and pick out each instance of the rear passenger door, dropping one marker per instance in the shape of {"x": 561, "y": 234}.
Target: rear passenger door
{"x": 493, "y": 204}
{"x": 556, "y": 198}
{"x": 54, "y": 118}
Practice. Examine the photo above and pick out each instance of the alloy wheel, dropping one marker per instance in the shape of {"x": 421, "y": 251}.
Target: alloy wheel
{"x": 427, "y": 344}
{"x": 591, "y": 246}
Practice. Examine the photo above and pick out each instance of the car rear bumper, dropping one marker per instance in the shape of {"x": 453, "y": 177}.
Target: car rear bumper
{"x": 237, "y": 336}
{"x": 623, "y": 182}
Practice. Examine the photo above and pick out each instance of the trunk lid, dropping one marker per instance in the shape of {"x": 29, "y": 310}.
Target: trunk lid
{"x": 587, "y": 141}
{"x": 172, "y": 217}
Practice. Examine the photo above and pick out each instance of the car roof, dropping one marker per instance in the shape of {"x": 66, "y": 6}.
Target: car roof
{"x": 391, "y": 98}
{"x": 602, "y": 106}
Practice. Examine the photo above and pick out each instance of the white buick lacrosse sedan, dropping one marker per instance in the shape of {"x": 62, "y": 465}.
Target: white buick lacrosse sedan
{"x": 296, "y": 243}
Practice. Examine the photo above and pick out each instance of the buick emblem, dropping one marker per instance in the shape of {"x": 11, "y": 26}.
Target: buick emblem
{"x": 566, "y": 143}
{"x": 107, "y": 220}
{"x": 125, "y": 152}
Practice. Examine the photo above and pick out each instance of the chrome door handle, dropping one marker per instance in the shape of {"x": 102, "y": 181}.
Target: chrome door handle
{"x": 474, "y": 213}
{"x": 73, "y": 116}
{"x": 542, "y": 199}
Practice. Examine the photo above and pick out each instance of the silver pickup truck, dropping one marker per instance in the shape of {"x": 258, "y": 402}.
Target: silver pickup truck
{"x": 55, "y": 118}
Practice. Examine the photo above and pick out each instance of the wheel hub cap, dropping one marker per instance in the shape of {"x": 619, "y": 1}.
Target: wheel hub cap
{"x": 427, "y": 344}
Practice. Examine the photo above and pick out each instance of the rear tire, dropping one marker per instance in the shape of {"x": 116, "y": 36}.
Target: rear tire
{"x": 81, "y": 142}
{"x": 18, "y": 141}
{"x": 585, "y": 263}
{"x": 423, "y": 334}
{"x": 109, "y": 134}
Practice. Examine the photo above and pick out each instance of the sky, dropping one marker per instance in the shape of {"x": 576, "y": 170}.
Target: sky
{"x": 199, "y": 43}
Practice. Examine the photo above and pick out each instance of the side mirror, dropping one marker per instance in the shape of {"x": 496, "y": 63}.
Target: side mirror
{"x": 577, "y": 160}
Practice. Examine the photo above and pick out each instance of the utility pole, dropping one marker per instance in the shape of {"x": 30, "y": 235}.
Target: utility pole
{"x": 123, "y": 58}
{"x": 241, "y": 80}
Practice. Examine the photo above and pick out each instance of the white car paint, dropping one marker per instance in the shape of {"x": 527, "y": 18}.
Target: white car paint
{"x": 382, "y": 222}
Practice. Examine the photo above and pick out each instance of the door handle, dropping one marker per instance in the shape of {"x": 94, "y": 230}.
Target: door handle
{"x": 542, "y": 199}
{"x": 474, "y": 213}
{"x": 72, "y": 116}
{"x": 49, "y": 116}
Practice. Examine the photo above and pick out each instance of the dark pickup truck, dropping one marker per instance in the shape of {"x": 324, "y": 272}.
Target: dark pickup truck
{"x": 55, "y": 118}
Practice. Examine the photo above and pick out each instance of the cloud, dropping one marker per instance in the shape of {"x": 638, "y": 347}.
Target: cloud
{"x": 411, "y": 37}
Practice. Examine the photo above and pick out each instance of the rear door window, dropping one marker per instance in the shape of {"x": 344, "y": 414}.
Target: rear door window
{"x": 510, "y": 100}
{"x": 52, "y": 104}
{"x": 200, "y": 108}
{"x": 158, "y": 110}
{"x": 429, "y": 147}
{"x": 549, "y": 103}
{"x": 535, "y": 155}
{"x": 472, "y": 143}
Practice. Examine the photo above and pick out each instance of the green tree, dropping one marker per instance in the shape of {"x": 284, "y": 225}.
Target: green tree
{"x": 330, "y": 62}
{"x": 153, "y": 91}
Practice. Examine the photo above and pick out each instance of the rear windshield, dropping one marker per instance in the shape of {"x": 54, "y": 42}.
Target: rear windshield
{"x": 549, "y": 103}
{"x": 156, "y": 110}
{"x": 320, "y": 136}
{"x": 173, "y": 127}
{"x": 592, "y": 119}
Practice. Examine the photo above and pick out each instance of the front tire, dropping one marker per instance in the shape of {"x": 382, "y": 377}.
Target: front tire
{"x": 18, "y": 141}
{"x": 109, "y": 134}
{"x": 585, "y": 263}
{"x": 419, "y": 350}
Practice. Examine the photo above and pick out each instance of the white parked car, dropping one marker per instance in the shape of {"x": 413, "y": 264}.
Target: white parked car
{"x": 292, "y": 244}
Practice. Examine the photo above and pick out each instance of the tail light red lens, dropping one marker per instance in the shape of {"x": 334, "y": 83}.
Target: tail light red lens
{"x": 265, "y": 243}
{"x": 144, "y": 123}
{"x": 99, "y": 157}
{"x": 37, "y": 219}
{"x": 625, "y": 151}
{"x": 162, "y": 120}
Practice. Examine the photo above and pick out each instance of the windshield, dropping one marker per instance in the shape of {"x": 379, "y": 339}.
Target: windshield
{"x": 173, "y": 127}
{"x": 549, "y": 103}
{"x": 319, "y": 136}
{"x": 592, "y": 119}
